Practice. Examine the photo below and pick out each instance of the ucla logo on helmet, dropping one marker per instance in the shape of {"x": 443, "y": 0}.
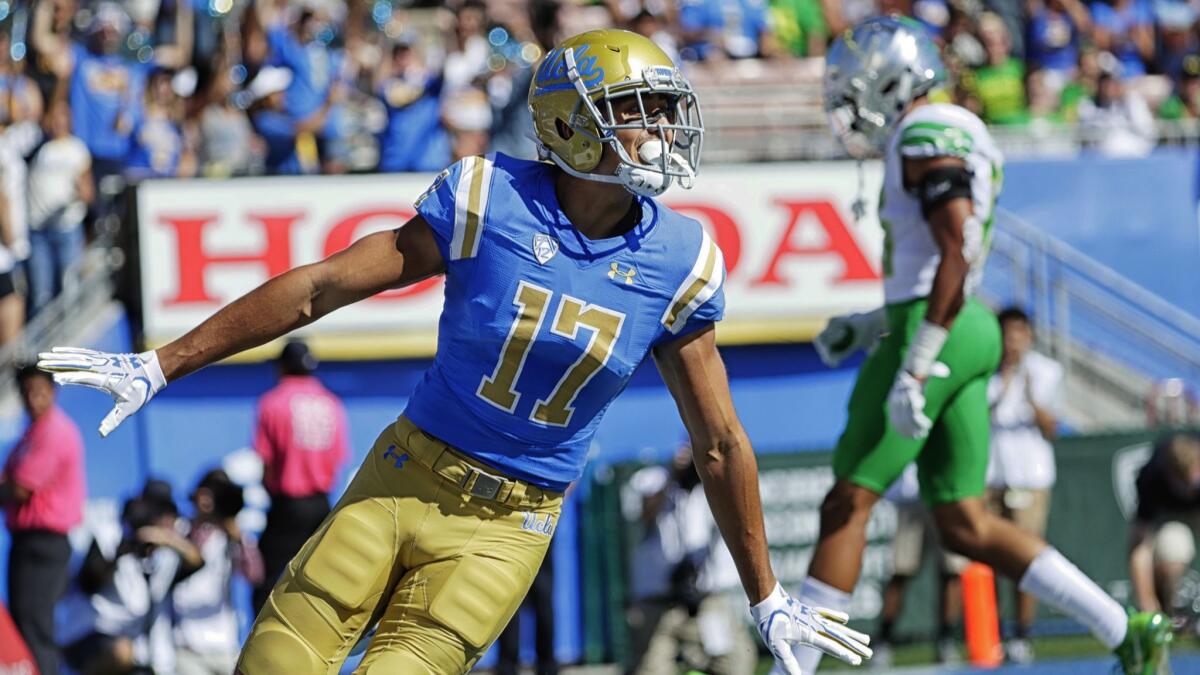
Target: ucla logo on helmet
{"x": 552, "y": 74}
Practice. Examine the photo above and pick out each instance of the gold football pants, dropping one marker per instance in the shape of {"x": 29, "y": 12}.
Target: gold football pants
{"x": 437, "y": 548}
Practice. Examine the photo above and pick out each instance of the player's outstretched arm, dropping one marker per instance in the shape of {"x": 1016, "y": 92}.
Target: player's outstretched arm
{"x": 693, "y": 371}
{"x": 296, "y": 298}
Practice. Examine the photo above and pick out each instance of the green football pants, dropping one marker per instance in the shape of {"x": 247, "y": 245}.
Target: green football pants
{"x": 952, "y": 460}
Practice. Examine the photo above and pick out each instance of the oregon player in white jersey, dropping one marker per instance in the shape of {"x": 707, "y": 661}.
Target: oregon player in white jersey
{"x": 911, "y": 255}
{"x": 921, "y": 395}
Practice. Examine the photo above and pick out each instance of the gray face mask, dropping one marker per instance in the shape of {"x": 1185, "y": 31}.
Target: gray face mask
{"x": 872, "y": 73}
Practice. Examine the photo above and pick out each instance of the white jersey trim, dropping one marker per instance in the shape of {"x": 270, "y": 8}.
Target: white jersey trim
{"x": 708, "y": 272}
{"x": 470, "y": 205}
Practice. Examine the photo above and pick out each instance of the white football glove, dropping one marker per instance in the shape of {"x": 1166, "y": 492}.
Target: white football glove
{"x": 131, "y": 379}
{"x": 906, "y": 402}
{"x": 846, "y": 334}
{"x": 784, "y": 622}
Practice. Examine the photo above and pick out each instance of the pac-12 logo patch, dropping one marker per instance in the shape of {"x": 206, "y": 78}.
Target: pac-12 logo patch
{"x": 544, "y": 248}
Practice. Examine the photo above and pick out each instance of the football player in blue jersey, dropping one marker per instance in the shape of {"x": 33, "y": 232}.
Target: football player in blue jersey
{"x": 561, "y": 277}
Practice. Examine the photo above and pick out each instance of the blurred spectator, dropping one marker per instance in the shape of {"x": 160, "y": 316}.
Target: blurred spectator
{"x": 1176, "y": 40}
{"x": 681, "y": 613}
{"x": 1012, "y": 14}
{"x": 1086, "y": 83}
{"x": 227, "y": 144}
{"x": 117, "y": 617}
{"x": 541, "y": 598}
{"x": 654, "y": 25}
{"x": 1024, "y": 396}
{"x": 468, "y": 117}
{"x": 1184, "y": 102}
{"x": 14, "y": 238}
{"x": 105, "y": 87}
{"x": 914, "y": 531}
{"x": 317, "y": 88}
{"x": 157, "y": 147}
{"x": 42, "y": 491}
{"x": 467, "y": 47}
{"x": 1125, "y": 28}
{"x": 1044, "y": 100}
{"x": 206, "y": 623}
{"x": 291, "y": 145}
{"x": 302, "y": 438}
{"x": 1162, "y": 543}
{"x": 1055, "y": 30}
{"x": 20, "y": 99}
{"x": 1118, "y": 123}
{"x": 999, "y": 84}
{"x": 414, "y": 138}
{"x": 735, "y": 28}
{"x": 933, "y": 14}
{"x": 60, "y": 189}
{"x": 800, "y": 26}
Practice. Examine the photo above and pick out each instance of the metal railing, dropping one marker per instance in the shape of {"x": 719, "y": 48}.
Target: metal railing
{"x": 88, "y": 287}
{"x": 1104, "y": 328}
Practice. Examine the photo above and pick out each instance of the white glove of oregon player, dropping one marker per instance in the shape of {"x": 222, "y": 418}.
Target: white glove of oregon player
{"x": 846, "y": 334}
{"x": 784, "y": 622}
{"x": 131, "y": 379}
{"x": 906, "y": 402}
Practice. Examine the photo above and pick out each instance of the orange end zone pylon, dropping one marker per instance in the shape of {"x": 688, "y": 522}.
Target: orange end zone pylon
{"x": 980, "y": 619}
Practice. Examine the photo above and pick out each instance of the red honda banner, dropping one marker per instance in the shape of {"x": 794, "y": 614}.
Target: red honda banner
{"x": 793, "y": 253}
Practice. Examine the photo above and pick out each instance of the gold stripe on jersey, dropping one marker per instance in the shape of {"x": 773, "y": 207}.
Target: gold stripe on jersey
{"x": 705, "y": 278}
{"x": 470, "y": 206}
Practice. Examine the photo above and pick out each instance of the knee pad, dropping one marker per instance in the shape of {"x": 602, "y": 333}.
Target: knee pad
{"x": 1174, "y": 543}
{"x": 354, "y": 556}
{"x": 273, "y": 647}
{"x": 479, "y": 597}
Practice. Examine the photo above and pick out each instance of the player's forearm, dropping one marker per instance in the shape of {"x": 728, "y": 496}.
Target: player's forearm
{"x": 730, "y": 476}
{"x": 946, "y": 297}
{"x": 289, "y": 301}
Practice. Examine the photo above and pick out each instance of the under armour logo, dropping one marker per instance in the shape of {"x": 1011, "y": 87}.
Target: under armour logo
{"x": 614, "y": 271}
{"x": 397, "y": 459}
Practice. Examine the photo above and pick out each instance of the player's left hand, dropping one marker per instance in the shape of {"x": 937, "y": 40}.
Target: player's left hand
{"x": 131, "y": 379}
{"x": 785, "y": 623}
{"x": 906, "y": 406}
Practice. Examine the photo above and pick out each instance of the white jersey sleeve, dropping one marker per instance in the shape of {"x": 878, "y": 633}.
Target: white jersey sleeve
{"x": 910, "y": 255}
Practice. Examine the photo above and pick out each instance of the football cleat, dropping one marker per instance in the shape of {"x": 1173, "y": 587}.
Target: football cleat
{"x": 1147, "y": 644}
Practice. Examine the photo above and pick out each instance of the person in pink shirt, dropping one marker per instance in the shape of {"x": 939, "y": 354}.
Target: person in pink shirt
{"x": 302, "y": 439}
{"x": 42, "y": 491}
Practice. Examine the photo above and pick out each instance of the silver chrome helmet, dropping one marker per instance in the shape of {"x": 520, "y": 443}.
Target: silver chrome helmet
{"x": 872, "y": 72}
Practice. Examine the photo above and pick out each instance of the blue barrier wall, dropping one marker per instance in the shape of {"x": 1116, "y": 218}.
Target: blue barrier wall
{"x": 1138, "y": 216}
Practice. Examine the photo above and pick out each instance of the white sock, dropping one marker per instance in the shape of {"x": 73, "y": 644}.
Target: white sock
{"x": 816, "y": 593}
{"x": 1057, "y": 582}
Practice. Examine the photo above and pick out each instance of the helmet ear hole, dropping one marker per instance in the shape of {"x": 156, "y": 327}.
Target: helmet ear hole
{"x": 564, "y": 131}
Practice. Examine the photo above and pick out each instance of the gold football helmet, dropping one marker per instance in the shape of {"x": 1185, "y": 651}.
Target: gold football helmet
{"x": 571, "y": 98}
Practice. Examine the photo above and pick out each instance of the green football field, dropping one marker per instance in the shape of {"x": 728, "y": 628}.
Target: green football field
{"x": 1074, "y": 654}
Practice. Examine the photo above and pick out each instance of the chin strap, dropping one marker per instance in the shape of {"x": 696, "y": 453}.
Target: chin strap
{"x": 638, "y": 180}
{"x": 859, "y": 206}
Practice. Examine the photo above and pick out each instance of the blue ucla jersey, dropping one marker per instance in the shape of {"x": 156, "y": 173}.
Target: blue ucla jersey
{"x": 542, "y": 327}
